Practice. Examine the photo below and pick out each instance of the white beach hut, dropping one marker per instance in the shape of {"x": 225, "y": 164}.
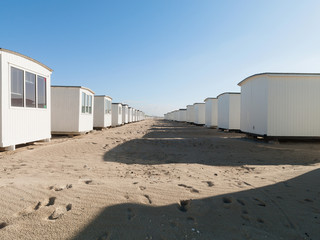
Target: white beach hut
{"x": 199, "y": 113}
{"x": 229, "y": 111}
{"x": 102, "y": 111}
{"x": 116, "y": 114}
{"x": 281, "y": 105}
{"x": 125, "y": 113}
{"x": 135, "y": 115}
{"x": 176, "y": 115}
{"x": 211, "y": 112}
{"x": 182, "y": 115}
{"x": 72, "y": 110}
{"x": 190, "y": 113}
{"x": 25, "y": 106}
{"x": 130, "y": 116}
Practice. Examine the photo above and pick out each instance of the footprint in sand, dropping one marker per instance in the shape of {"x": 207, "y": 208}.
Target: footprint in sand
{"x": 210, "y": 184}
{"x": 227, "y": 200}
{"x": 148, "y": 198}
{"x": 51, "y": 201}
{"x": 241, "y": 202}
{"x": 60, "y": 211}
{"x": 60, "y": 188}
{"x": 142, "y": 188}
{"x": 184, "y": 205}
{"x": 260, "y": 203}
{"x": 3, "y": 225}
{"x": 193, "y": 190}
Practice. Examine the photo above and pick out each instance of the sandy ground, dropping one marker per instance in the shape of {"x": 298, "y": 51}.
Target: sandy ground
{"x": 160, "y": 180}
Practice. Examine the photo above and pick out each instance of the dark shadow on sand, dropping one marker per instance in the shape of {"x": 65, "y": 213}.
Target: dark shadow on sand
{"x": 172, "y": 142}
{"x": 286, "y": 210}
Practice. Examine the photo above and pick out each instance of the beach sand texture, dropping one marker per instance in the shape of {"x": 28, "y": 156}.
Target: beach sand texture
{"x": 157, "y": 179}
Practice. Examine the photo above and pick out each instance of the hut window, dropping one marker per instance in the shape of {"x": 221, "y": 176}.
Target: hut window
{"x": 42, "y": 93}
{"x": 83, "y": 106}
{"x": 107, "y": 106}
{"x": 17, "y": 88}
{"x": 86, "y": 106}
{"x": 26, "y": 88}
{"x": 30, "y": 90}
{"x": 90, "y": 104}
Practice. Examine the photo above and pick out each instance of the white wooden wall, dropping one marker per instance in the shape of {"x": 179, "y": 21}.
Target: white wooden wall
{"x": 199, "y": 113}
{"x": 100, "y": 117}
{"x": 116, "y": 115}
{"x": 21, "y": 124}
{"x": 211, "y": 112}
{"x": 229, "y": 105}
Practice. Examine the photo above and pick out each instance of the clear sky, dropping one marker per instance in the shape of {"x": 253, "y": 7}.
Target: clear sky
{"x": 161, "y": 55}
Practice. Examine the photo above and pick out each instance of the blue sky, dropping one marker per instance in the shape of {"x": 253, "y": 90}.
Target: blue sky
{"x": 161, "y": 55}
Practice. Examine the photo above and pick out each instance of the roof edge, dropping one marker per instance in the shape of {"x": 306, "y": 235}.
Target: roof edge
{"x": 228, "y": 93}
{"x": 277, "y": 73}
{"x": 209, "y": 98}
{"x": 26, "y": 57}
{"x": 199, "y": 103}
{"x": 85, "y": 88}
{"x": 103, "y": 96}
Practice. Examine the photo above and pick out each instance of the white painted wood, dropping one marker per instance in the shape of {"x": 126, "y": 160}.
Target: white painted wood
{"x": 211, "y": 106}
{"x": 130, "y": 116}
{"x": 229, "y": 111}
{"x": 101, "y": 118}
{"x": 20, "y": 125}
{"x": 66, "y": 114}
{"x": 199, "y": 113}
{"x": 182, "y": 115}
{"x": 281, "y": 104}
{"x": 125, "y": 113}
{"x": 190, "y": 114}
{"x": 116, "y": 114}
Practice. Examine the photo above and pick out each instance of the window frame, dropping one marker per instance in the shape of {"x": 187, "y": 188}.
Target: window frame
{"x": 88, "y": 103}
{"x": 10, "y": 66}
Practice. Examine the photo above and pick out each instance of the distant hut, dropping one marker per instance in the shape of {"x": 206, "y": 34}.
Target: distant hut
{"x": 229, "y": 111}
{"x": 72, "y": 110}
{"x": 211, "y": 109}
{"x": 102, "y": 111}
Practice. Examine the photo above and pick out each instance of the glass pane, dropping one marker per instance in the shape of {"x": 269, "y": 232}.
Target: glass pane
{"x": 87, "y": 104}
{"x": 90, "y": 104}
{"x": 109, "y": 106}
{"x": 17, "y": 94}
{"x": 30, "y": 90}
{"x": 42, "y": 92}
{"x": 83, "y": 108}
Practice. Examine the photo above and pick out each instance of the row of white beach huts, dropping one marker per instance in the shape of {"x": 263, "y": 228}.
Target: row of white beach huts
{"x": 280, "y": 105}
{"x": 31, "y": 109}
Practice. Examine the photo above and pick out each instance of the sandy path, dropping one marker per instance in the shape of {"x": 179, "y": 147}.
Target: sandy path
{"x": 128, "y": 183}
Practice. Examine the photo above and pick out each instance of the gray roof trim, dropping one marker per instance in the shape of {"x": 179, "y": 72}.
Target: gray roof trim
{"x": 209, "y": 98}
{"x": 227, "y": 93}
